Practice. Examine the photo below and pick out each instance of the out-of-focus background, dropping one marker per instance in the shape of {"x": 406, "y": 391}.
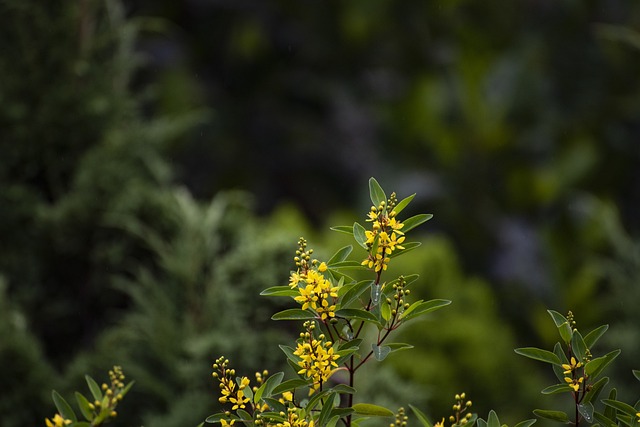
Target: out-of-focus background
{"x": 159, "y": 160}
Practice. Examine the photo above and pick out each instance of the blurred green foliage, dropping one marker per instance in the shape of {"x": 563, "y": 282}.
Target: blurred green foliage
{"x": 123, "y": 123}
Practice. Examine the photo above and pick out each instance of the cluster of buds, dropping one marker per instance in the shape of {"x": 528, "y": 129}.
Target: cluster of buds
{"x": 232, "y": 391}
{"x": 303, "y": 256}
{"x": 385, "y": 236}
{"x": 399, "y": 304}
{"x": 401, "y": 419}
{"x": 460, "y": 415}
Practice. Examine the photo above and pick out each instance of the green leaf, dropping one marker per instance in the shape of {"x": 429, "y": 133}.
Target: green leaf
{"x": 325, "y": 412}
{"x": 354, "y": 313}
{"x": 354, "y": 292}
{"x": 376, "y": 193}
{"x": 421, "y": 416}
{"x": 317, "y": 397}
{"x": 372, "y": 410}
{"x": 83, "y": 404}
{"x": 380, "y": 352}
{"x": 94, "y": 388}
{"x": 636, "y": 373}
{"x": 538, "y": 354}
{"x": 294, "y": 314}
{"x": 492, "y": 419}
{"x": 414, "y": 221}
{"x": 422, "y": 307}
{"x": 482, "y": 423}
{"x": 586, "y": 410}
{"x": 280, "y": 291}
{"x": 215, "y": 418}
{"x": 346, "y": 229}
{"x": 396, "y": 346}
{"x": 80, "y": 424}
{"x": 385, "y": 311}
{"x": 595, "y": 367}
{"x": 620, "y": 406}
{"x": 244, "y": 415}
{"x": 340, "y": 255}
{"x": 274, "y": 404}
{"x": 403, "y": 203}
{"x": 610, "y": 412}
{"x": 526, "y": 423}
{"x": 288, "y": 351}
{"x": 126, "y": 388}
{"x": 409, "y": 246}
{"x": 604, "y": 420}
{"x": 558, "y": 369}
{"x": 344, "y": 389}
{"x": 557, "y": 388}
{"x": 63, "y": 407}
{"x": 563, "y": 325}
{"x": 289, "y": 385}
{"x": 333, "y": 421}
{"x": 552, "y": 415}
{"x": 359, "y": 235}
{"x": 578, "y": 346}
{"x": 266, "y": 389}
{"x": 596, "y": 389}
{"x": 592, "y": 337}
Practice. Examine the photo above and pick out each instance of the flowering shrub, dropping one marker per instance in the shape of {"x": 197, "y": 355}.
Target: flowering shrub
{"x": 347, "y": 322}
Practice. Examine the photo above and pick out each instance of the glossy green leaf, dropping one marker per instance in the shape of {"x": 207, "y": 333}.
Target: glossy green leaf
{"x": 289, "y": 385}
{"x": 376, "y": 193}
{"x": 552, "y": 415}
{"x": 492, "y": 419}
{"x": 280, "y": 291}
{"x": 294, "y": 314}
{"x": 604, "y": 420}
{"x": 380, "y": 352}
{"x": 94, "y": 388}
{"x": 578, "y": 346}
{"x": 424, "y": 421}
{"x": 526, "y": 423}
{"x": 423, "y": 307}
{"x": 592, "y": 337}
{"x": 538, "y": 354}
{"x": 562, "y": 324}
{"x": 340, "y": 255}
{"x": 399, "y": 207}
{"x": 408, "y": 246}
{"x": 359, "y": 235}
{"x": 594, "y": 367}
{"x": 556, "y": 388}
{"x": 620, "y": 406}
{"x": 63, "y": 407}
{"x": 357, "y": 314}
{"x": 84, "y": 406}
{"x": 372, "y": 410}
{"x": 586, "y": 410}
{"x": 266, "y": 389}
{"x": 596, "y": 388}
{"x": 346, "y": 229}
{"x": 414, "y": 221}
{"x": 354, "y": 292}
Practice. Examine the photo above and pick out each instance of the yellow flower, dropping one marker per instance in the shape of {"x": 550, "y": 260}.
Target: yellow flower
{"x": 224, "y": 422}
{"x": 574, "y": 384}
{"x": 58, "y": 421}
{"x": 572, "y": 367}
{"x": 322, "y": 267}
{"x": 439, "y": 423}
{"x": 287, "y": 396}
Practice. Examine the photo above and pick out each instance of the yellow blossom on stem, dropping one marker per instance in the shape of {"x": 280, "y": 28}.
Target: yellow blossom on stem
{"x": 574, "y": 383}
{"x": 58, "y": 421}
{"x": 569, "y": 368}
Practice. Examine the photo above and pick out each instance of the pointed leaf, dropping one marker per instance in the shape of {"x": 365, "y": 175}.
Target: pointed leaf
{"x": 346, "y": 229}
{"x": 280, "y": 291}
{"x": 422, "y": 307}
{"x": 409, "y": 246}
{"x": 84, "y": 406}
{"x": 376, "y": 193}
{"x": 558, "y": 369}
{"x": 492, "y": 419}
{"x": 594, "y": 367}
{"x": 578, "y": 346}
{"x": 596, "y": 388}
{"x": 421, "y": 416}
{"x": 620, "y": 406}
{"x": 266, "y": 389}
{"x": 396, "y": 346}
{"x": 294, "y": 314}
{"x": 592, "y": 337}
{"x": 414, "y": 221}
{"x": 563, "y": 325}
{"x": 354, "y": 292}
{"x": 403, "y": 203}
{"x": 344, "y": 389}
{"x": 93, "y": 387}
{"x": 359, "y": 235}
{"x": 357, "y": 314}
{"x": 610, "y": 412}
{"x": 538, "y": 354}
{"x": 636, "y": 373}
{"x": 63, "y": 407}
{"x": 552, "y": 415}
{"x": 526, "y": 423}
{"x": 586, "y": 410}
{"x": 604, "y": 420}
{"x": 340, "y": 255}
{"x": 380, "y": 352}
{"x": 372, "y": 410}
{"x": 288, "y": 351}
{"x": 556, "y": 388}
{"x": 289, "y": 385}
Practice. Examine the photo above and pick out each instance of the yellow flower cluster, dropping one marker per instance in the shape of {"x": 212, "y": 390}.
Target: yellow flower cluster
{"x": 231, "y": 391}
{"x": 572, "y": 379}
{"x": 317, "y": 357}
{"x": 58, "y": 421}
{"x": 316, "y": 291}
{"x": 386, "y": 235}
